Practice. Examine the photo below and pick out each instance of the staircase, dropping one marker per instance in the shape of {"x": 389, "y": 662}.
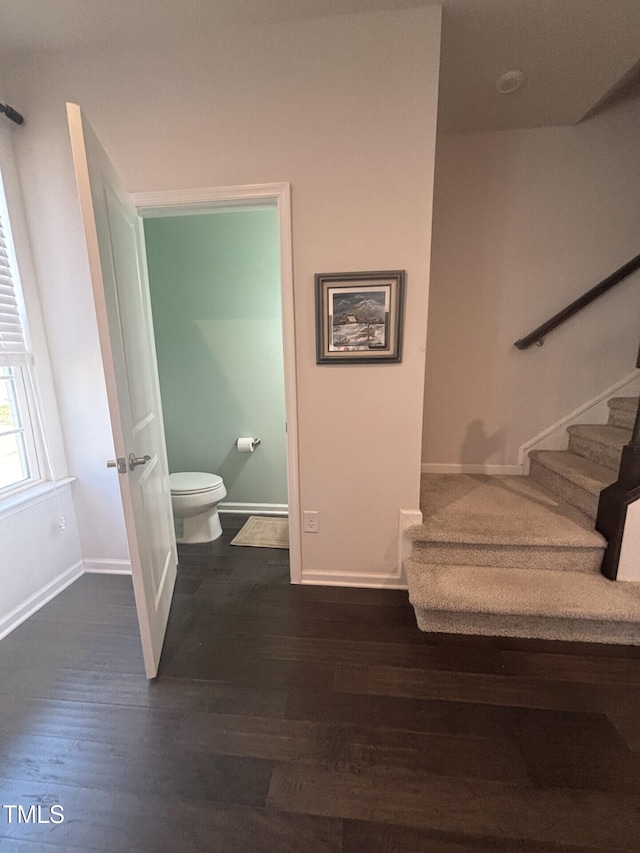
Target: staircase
{"x": 519, "y": 556}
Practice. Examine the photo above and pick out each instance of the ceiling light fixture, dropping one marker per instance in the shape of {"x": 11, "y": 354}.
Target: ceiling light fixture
{"x": 509, "y": 82}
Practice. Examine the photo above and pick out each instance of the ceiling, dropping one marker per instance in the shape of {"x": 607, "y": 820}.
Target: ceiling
{"x": 573, "y": 53}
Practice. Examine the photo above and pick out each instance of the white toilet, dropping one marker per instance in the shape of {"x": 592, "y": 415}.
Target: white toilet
{"x": 195, "y": 497}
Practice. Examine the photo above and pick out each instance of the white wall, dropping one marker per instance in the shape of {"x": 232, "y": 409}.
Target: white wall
{"x": 524, "y": 222}
{"x": 37, "y": 557}
{"x": 51, "y": 207}
{"x": 345, "y": 109}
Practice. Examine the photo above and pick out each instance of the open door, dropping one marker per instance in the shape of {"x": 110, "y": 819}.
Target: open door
{"x": 115, "y": 245}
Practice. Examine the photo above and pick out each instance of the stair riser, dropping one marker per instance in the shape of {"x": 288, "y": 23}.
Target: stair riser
{"x": 565, "y": 489}
{"x": 541, "y": 627}
{"x": 623, "y": 418}
{"x": 507, "y": 556}
{"x": 609, "y": 457}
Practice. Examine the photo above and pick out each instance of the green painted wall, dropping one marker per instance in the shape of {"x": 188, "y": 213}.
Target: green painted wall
{"x": 215, "y": 297}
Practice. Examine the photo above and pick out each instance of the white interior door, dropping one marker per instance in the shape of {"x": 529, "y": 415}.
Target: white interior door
{"x": 115, "y": 244}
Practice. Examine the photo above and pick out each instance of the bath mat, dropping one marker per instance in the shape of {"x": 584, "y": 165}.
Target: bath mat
{"x": 261, "y": 532}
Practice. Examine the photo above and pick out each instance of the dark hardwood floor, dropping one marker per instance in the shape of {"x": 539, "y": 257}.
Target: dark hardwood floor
{"x": 307, "y": 720}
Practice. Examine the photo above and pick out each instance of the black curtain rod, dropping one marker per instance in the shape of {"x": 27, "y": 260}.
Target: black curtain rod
{"x": 14, "y": 115}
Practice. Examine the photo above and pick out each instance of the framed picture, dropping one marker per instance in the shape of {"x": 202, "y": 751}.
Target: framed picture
{"x": 359, "y": 317}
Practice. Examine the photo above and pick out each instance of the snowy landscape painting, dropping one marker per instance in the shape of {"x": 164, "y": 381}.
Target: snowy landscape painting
{"x": 358, "y": 319}
{"x": 359, "y": 316}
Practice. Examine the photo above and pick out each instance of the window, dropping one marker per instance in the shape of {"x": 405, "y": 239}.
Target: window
{"x": 18, "y": 457}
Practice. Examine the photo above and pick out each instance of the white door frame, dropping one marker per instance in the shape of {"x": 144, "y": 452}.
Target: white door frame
{"x": 181, "y": 202}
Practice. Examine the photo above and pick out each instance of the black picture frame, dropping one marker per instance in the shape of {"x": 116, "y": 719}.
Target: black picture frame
{"x": 359, "y": 317}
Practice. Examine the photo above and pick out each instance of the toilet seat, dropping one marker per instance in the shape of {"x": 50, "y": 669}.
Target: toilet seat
{"x": 195, "y": 496}
{"x": 193, "y": 482}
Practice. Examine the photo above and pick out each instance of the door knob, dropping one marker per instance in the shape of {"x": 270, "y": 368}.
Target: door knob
{"x": 120, "y": 463}
{"x": 137, "y": 460}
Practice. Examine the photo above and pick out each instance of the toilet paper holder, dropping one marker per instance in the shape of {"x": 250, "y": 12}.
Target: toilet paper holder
{"x": 247, "y": 445}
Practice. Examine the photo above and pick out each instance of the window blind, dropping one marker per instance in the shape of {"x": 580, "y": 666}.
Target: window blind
{"x": 14, "y": 349}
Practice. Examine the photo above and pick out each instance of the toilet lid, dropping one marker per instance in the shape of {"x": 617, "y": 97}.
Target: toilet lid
{"x": 187, "y": 482}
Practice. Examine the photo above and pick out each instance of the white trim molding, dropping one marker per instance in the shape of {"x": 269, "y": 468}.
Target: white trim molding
{"x": 107, "y": 567}
{"x": 455, "y": 468}
{"x": 406, "y": 518}
{"x": 593, "y": 411}
{"x": 392, "y": 580}
{"x": 27, "y": 608}
{"x": 629, "y": 564}
{"x": 253, "y": 508}
{"x": 553, "y": 437}
{"x": 206, "y": 200}
{"x": 35, "y": 493}
{"x": 372, "y": 581}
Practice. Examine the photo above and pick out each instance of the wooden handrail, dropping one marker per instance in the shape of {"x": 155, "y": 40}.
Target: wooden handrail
{"x": 537, "y": 336}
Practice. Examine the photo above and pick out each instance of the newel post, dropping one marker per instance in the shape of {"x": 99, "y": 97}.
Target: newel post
{"x": 616, "y": 498}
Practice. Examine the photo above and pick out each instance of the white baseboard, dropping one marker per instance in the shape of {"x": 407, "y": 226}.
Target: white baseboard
{"x": 390, "y": 581}
{"x": 393, "y": 580}
{"x": 552, "y": 438}
{"x": 406, "y": 518}
{"x": 455, "y": 468}
{"x": 18, "y": 615}
{"x": 593, "y": 411}
{"x": 253, "y": 509}
{"x": 107, "y": 567}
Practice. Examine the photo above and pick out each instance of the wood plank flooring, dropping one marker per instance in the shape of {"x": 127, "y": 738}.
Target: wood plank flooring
{"x": 307, "y": 720}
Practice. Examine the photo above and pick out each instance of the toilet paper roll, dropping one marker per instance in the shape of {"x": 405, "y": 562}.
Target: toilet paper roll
{"x": 247, "y": 445}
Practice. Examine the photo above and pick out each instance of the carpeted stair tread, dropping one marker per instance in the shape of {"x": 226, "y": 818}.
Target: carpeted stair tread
{"x": 540, "y": 592}
{"x": 518, "y": 556}
{"x": 628, "y": 403}
{"x": 571, "y": 478}
{"x": 601, "y": 443}
{"x": 604, "y": 434}
{"x": 537, "y": 627}
{"x": 622, "y": 411}
{"x": 584, "y": 473}
{"x": 502, "y": 510}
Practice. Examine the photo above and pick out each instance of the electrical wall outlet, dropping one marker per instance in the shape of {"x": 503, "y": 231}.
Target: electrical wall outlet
{"x": 311, "y": 522}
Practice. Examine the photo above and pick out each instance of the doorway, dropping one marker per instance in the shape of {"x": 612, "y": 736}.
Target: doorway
{"x": 276, "y": 199}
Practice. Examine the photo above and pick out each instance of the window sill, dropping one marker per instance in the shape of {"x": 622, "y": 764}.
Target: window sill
{"x": 20, "y": 500}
